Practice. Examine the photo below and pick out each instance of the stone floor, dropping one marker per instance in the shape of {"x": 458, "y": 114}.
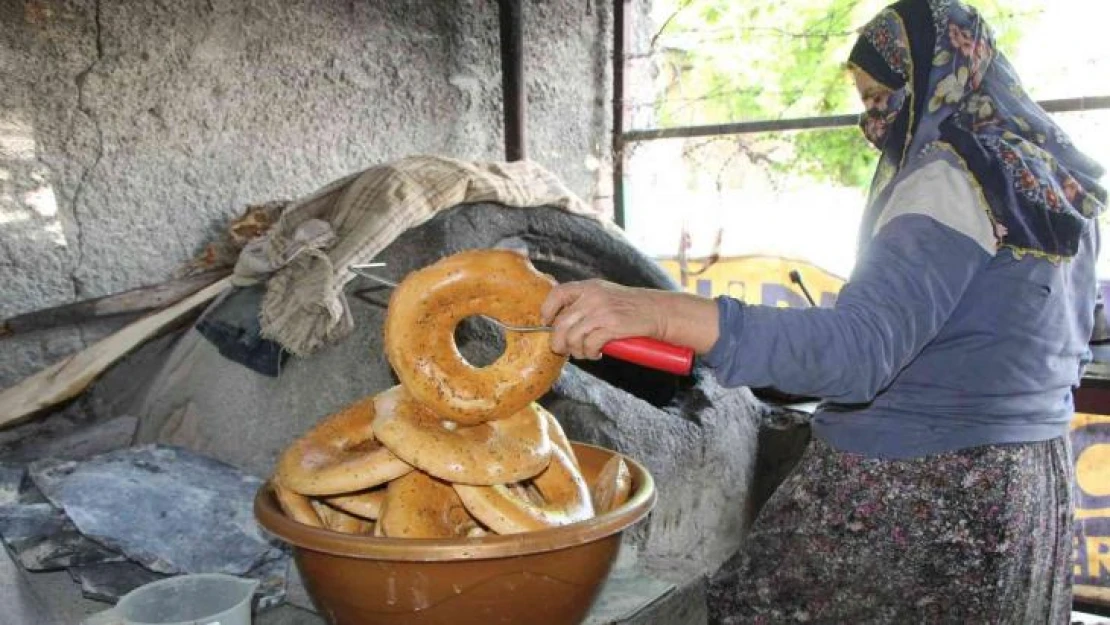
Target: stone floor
{"x": 39, "y": 598}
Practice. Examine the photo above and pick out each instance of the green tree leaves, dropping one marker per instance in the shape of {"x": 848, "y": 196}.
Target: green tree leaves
{"x": 723, "y": 61}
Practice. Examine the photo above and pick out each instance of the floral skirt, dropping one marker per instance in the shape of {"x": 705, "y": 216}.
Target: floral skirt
{"x": 977, "y": 536}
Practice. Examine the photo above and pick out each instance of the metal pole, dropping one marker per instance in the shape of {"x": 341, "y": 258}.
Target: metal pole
{"x": 739, "y": 128}
{"x": 621, "y": 32}
{"x": 512, "y": 78}
{"x": 1068, "y": 105}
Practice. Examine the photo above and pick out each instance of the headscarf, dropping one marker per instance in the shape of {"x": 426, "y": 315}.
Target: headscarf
{"x": 958, "y": 98}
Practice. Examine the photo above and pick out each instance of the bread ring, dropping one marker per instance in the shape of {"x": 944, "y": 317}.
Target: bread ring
{"x": 366, "y": 504}
{"x": 296, "y": 506}
{"x": 340, "y": 521}
{"x": 508, "y": 450}
{"x": 340, "y": 455}
{"x": 420, "y": 335}
{"x": 507, "y": 510}
{"x": 419, "y": 506}
{"x": 559, "y": 437}
{"x": 612, "y": 486}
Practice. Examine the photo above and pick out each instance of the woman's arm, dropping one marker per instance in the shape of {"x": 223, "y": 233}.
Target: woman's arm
{"x": 929, "y": 247}
{"x": 901, "y": 295}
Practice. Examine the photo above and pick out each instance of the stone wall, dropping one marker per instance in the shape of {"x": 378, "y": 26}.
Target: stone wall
{"x": 131, "y": 130}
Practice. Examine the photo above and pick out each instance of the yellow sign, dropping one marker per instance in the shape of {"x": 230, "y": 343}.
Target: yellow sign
{"x": 761, "y": 280}
{"x": 1090, "y": 441}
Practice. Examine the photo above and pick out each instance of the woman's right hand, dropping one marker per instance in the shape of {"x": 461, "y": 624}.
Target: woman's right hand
{"x": 586, "y": 315}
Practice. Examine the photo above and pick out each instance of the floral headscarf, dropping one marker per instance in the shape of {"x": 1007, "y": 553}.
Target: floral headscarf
{"x": 961, "y": 101}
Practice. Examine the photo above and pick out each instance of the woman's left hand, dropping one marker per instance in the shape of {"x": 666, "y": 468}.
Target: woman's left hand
{"x": 587, "y": 315}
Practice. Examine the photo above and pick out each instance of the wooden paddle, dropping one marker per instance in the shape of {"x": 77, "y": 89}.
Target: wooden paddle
{"x": 142, "y": 299}
{"x": 68, "y": 378}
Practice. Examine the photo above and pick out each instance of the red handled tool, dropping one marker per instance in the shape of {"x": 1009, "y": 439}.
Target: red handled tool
{"x": 639, "y": 350}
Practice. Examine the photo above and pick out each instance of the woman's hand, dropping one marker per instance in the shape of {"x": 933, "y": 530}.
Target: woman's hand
{"x": 587, "y": 315}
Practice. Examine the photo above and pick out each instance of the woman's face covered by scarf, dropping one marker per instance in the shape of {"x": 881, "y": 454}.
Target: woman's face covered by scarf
{"x": 936, "y": 87}
{"x": 882, "y": 105}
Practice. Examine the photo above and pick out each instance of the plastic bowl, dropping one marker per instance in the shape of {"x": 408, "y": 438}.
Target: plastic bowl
{"x": 551, "y": 577}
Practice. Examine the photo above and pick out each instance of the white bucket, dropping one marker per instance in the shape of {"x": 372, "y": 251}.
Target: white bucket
{"x": 203, "y": 599}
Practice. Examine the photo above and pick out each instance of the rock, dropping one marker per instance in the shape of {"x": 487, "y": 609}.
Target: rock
{"x": 627, "y": 592}
{"x": 73, "y": 443}
{"x": 166, "y": 508}
{"x": 11, "y": 482}
{"x": 48, "y": 475}
{"x": 45, "y": 540}
{"x": 20, "y": 602}
{"x": 43, "y": 429}
{"x": 17, "y": 487}
{"x": 29, "y": 493}
{"x": 108, "y": 581}
{"x": 295, "y": 592}
{"x": 685, "y": 605}
{"x": 273, "y": 576}
{"x": 784, "y": 435}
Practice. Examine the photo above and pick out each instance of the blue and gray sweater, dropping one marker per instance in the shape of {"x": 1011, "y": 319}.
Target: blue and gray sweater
{"x": 939, "y": 341}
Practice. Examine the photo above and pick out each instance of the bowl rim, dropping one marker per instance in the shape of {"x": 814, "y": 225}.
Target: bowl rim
{"x": 639, "y": 504}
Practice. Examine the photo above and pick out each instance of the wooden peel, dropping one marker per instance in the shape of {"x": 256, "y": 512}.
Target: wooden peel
{"x": 142, "y": 299}
{"x": 68, "y": 378}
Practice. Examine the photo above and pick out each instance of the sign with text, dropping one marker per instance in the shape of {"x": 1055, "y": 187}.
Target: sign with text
{"x": 1090, "y": 440}
{"x": 756, "y": 280}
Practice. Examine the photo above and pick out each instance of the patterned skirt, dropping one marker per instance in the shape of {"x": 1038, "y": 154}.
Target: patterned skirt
{"x": 976, "y": 536}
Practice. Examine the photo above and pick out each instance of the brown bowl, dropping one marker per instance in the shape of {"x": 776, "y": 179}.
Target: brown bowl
{"x": 550, "y": 577}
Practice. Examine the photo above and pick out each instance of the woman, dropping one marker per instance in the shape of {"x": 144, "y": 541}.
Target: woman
{"x": 937, "y": 485}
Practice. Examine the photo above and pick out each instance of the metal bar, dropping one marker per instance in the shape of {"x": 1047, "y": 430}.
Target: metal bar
{"x": 1072, "y": 105}
{"x": 621, "y": 34}
{"x": 1067, "y": 105}
{"x": 514, "y": 105}
{"x": 140, "y": 300}
{"x": 796, "y": 278}
{"x": 739, "y": 128}
{"x": 360, "y": 270}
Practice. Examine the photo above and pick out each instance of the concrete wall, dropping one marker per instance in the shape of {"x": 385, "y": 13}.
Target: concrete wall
{"x": 130, "y": 130}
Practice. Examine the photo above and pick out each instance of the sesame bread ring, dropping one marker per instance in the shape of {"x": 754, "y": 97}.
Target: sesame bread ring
{"x": 612, "y": 486}
{"x": 339, "y": 455}
{"x": 339, "y": 521}
{"x": 419, "y": 506}
{"x": 296, "y": 506}
{"x": 508, "y": 450}
{"x": 420, "y": 335}
{"x": 366, "y": 504}
{"x": 508, "y": 510}
{"x": 559, "y": 437}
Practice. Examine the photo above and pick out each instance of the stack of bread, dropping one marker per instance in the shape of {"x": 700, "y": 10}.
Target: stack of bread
{"x": 453, "y": 450}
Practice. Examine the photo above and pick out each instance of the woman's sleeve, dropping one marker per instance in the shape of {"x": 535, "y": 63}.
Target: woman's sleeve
{"x": 930, "y": 243}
